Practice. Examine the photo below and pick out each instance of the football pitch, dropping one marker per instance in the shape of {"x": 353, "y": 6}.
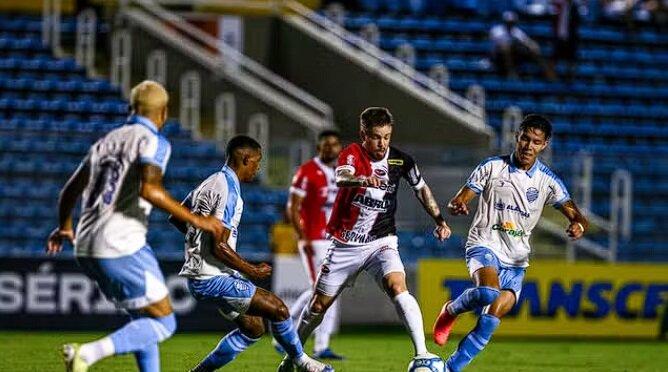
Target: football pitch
{"x": 366, "y": 351}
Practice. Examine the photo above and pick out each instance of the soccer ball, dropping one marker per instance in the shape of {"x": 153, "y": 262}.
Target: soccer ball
{"x": 427, "y": 363}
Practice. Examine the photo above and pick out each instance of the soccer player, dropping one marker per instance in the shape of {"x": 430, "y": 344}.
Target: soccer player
{"x": 363, "y": 228}
{"x": 309, "y": 207}
{"x": 120, "y": 180}
{"x": 216, "y": 273}
{"x": 513, "y": 191}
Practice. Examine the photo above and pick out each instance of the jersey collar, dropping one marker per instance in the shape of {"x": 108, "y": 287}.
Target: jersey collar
{"x": 529, "y": 172}
{"x": 143, "y": 120}
{"x": 230, "y": 171}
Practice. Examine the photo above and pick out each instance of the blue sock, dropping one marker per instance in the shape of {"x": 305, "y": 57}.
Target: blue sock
{"x": 473, "y": 298}
{"x": 148, "y": 359}
{"x": 228, "y": 348}
{"x": 284, "y": 332}
{"x": 142, "y": 333}
{"x": 473, "y": 343}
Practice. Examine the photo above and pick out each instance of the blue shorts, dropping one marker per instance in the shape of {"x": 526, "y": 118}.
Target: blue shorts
{"x": 131, "y": 282}
{"x": 510, "y": 277}
{"x": 231, "y": 293}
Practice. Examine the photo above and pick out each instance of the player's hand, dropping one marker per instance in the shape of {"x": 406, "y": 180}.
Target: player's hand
{"x": 308, "y": 247}
{"x": 457, "y": 208}
{"x": 442, "y": 231}
{"x": 55, "y": 242}
{"x": 575, "y": 230}
{"x": 261, "y": 272}
{"x": 373, "y": 181}
{"x": 211, "y": 225}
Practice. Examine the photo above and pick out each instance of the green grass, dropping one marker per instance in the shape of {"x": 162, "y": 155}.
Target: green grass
{"x": 384, "y": 351}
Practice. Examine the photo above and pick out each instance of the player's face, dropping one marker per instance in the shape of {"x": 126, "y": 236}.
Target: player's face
{"x": 377, "y": 140}
{"x": 530, "y": 143}
{"x": 251, "y": 166}
{"x": 329, "y": 149}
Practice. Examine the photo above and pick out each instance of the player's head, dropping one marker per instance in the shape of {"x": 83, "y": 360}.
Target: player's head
{"x": 150, "y": 99}
{"x": 509, "y": 18}
{"x": 376, "y": 131}
{"x": 329, "y": 145}
{"x": 533, "y": 137}
{"x": 244, "y": 155}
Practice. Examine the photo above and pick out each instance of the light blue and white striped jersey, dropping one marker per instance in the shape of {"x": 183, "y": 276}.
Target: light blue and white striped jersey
{"x": 114, "y": 218}
{"x": 510, "y": 204}
{"x": 219, "y": 196}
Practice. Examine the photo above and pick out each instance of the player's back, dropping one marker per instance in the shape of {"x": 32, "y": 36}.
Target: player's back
{"x": 220, "y": 196}
{"x": 114, "y": 218}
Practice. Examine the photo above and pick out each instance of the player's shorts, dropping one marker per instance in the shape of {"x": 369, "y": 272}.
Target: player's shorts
{"x": 510, "y": 277}
{"x": 312, "y": 262}
{"x": 131, "y": 282}
{"x": 344, "y": 262}
{"x": 231, "y": 293}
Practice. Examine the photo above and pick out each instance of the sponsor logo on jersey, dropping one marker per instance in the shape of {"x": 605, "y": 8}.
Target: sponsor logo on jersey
{"x": 380, "y": 172}
{"x": 325, "y": 269}
{"x": 532, "y": 194}
{"x": 355, "y": 237}
{"x": 501, "y": 206}
{"x": 509, "y": 228}
{"x": 395, "y": 161}
{"x": 350, "y": 160}
{"x": 367, "y": 202}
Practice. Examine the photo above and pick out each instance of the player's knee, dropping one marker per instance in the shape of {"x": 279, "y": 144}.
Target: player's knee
{"x": 486, "y": 295}
{"x": 282, "y": 312}
{"x": 317, "y": 307}
{"x": 253, "y": 327}
{"x": 168, "y": 323}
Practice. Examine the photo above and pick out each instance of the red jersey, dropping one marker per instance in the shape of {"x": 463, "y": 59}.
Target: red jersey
{"x": 316, "y": 183}
{"x": 364, "y": 214}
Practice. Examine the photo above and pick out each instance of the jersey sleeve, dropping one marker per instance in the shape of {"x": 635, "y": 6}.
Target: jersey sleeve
{"x": 348, "y": 160}
{"x": 300, "y": 183}
{"x": 480, "y": 176}
{"x": 155, "y": 150}
{"x": 557, "y": 194}
{"x": 412, "y": 174}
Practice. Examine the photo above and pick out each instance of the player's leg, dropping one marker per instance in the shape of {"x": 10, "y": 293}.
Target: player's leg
{"x": 482, "y": 264}
{"x": 386, "y": 267}
{"x": 323, "y": 333}
{"x": 135, "y": 283}
{"x": 249, "y": 331}
{"x": 476, "y": 340}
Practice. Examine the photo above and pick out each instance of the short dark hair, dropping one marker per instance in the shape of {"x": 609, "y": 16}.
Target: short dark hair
{"x": 375, "y": 117}
{"x": 538, "y": 122}
{"x": 328, "y": 133}
{"x": 240, "y": 142}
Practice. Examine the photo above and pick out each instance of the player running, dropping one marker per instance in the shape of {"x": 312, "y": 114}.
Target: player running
{"x": 120, "y": 180}
{"x": 216, "y": 273}
{"x": 513, "y": 191}
{"x": 363, "y": 229}
{"x": 309, "y": 207}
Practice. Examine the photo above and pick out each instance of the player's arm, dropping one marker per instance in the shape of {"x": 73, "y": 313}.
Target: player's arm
{"x": 66, "y": 201}
{"x": 293, "y": 207}
{"x": 426, "y": 198}
{"x": 578, "y": 222}
{"x": 153, "y": 192}
{"x": 458, "y": 205}
{"x": 225, "y": 254}
{"x": 345, "y": 177}
{"x": 179, "y": 224}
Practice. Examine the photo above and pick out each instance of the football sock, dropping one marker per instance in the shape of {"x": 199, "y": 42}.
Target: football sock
{"x": 284, "y": 332}
{"x": 308, "y": 322}
{"x": 473, "y": 343}
{"x": 93, "y": 351}
{"x": 299, "y": 305}
{"x": 409, "y": 311}
{"x": 148, "y": 359}
{"x": 325, "y": 329}
{"x": 473, "y": 298}
{"x": 228, "y": 348}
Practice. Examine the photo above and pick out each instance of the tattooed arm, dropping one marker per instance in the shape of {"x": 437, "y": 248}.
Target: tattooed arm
{"x": 430, "y": 205}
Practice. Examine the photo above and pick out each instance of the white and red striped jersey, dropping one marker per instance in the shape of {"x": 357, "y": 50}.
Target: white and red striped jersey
{"x": 364, "y": 214}
{"x": 316, "y": 183}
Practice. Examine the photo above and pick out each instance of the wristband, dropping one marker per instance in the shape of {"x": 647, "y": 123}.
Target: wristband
{"x": 581, "y": 226}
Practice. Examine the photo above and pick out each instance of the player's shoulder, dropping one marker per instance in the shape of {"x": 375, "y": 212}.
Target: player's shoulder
{"x": 495, "y": 160}
{"x": 353, "y": 149}
{"x": 308, "y": 167}
{"x": 547, "y": 172}
{"x": 399, "y": 157}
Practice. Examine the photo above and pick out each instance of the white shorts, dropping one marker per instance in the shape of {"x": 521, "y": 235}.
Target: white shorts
{"x": 312, "y": 262}
{"x": 344, "y": 262}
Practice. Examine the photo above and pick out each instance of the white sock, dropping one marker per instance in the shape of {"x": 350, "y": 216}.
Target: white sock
{"x": 409, "y": 311}
{"x": 325, "y": 329}
{"x": 299, "y": 305}
{"x": 93, "y": 351}
{"x": 307, "y": 323}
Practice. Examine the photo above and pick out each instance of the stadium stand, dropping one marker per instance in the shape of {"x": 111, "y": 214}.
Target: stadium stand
{"x": 615, "y": 107}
